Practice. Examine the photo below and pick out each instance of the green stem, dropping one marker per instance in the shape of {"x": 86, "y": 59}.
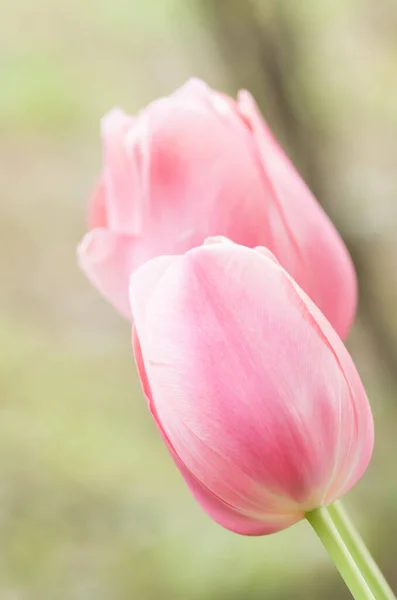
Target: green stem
{"x": 362, "y": 557}
{"x": 329, "y": 535}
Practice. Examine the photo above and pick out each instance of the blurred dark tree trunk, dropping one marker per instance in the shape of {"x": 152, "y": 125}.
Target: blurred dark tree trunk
{"x": 263, "y": 53}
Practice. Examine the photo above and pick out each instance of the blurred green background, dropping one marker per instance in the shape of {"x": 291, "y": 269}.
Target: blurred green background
{"x": 91, "y": 506}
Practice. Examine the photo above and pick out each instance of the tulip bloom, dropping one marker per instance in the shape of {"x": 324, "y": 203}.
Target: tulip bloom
{"x": 199, "y": 164}
{"x": 254, "y": 393}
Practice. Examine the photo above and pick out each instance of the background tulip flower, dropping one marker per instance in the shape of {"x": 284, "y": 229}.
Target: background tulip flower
{"x": 254, "y": 393}
{"x": 198, "y": 164}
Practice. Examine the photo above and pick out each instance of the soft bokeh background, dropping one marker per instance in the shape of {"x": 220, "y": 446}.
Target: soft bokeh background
{"x": 91, "y": 506}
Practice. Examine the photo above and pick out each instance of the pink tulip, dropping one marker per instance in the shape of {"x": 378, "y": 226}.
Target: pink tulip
{"x": 254, "y": 393}
{"x": 197, "y": 164}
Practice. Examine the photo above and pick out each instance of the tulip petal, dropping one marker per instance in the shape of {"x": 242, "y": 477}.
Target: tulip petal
{"x": 215, "y": 507}
{"x": 322, "y": 265}
{"x": 108, "y": 259}
{"x": 146, "y": 286}
{"x": 97, "y": 212}
{"x": 182, "y": 205}
{"x": 122, "y": 172}
{"x": 197, "y": 93}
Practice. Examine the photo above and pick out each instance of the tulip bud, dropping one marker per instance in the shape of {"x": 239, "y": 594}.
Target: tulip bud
{"x": 254, "y": 393}
{"x": 199, "y": 164}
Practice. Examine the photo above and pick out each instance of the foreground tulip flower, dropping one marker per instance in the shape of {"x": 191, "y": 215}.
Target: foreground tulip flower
{"x": 255, "y": 395}
{"x": 256, "y": 398}
{"x": 197, "y": 164}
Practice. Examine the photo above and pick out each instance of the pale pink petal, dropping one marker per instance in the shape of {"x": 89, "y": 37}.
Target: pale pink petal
{"x": 215, "y": 507}
{"x": 97, "y": 211}
{"x": 107, "y": 259}
{"x": 122, "y": 175}
{"x": 304, "y": 240}
{"x": 202, "y": 182}
{"x": 144, "y": 286}
{"x": 197, "y": 94}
